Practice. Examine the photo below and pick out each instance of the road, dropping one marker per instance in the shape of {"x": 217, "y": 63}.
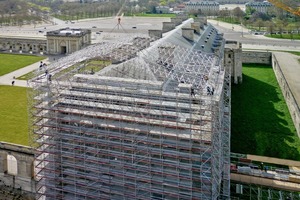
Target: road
{"x": 251, "y": 41}
{"x": 127, "y": 25}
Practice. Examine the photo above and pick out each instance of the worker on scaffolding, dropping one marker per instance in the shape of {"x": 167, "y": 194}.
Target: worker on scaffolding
{"x": 50, "y": 78}
{"x": 193, "y": 92}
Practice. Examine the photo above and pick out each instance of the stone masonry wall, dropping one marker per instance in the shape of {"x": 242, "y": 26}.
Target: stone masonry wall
{"x": 288, "y": 95}
{"x": 257, "y": 57}
{"x": 21, "y": 158}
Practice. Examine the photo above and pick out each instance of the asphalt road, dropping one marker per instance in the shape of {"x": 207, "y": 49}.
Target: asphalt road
{"x": 243, "y": 35}
{"x": 127, "y": 25}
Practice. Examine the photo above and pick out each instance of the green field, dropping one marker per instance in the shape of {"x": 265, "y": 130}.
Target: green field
{"x": 285, "y": 36}
{"x": 261, "y": 123}
{"x": 12, "y": 62}
{"x": 155, "y": 15}
{"x": 13, "y": 115}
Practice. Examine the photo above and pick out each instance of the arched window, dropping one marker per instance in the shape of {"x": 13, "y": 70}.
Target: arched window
{"x": 12, "y": 165}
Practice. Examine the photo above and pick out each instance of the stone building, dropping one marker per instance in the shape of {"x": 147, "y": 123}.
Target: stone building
{"x": 204, "y": 7}
{"x": 233, "y": 60}
{"x": 162, "y": 9}
{"x": 154, "y": 124}
{"x": 16, "y": 171}
{"x": 66, "y": 41}
{"x": 23, "y": 45}
{"x": 259, "y": 6}
{"x": 63, "y": 41}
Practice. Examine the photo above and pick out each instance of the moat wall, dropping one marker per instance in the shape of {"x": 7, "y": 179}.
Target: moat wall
{"x": 16, "y": 171}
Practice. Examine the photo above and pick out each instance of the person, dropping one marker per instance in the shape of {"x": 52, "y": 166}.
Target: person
{"x": 13, "y": 83}
{"x": 192, "y": 92}
{"x": 49, "y": 77}
{"x": 261, "y": 165}
{"x": 41, "y": 65}
{"x": 208, "y": 90}
{"x": 46, "y": 72}
{"x": 212, "y": 91}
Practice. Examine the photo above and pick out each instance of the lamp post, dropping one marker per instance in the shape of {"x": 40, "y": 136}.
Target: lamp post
{"x": 242, "y": 29}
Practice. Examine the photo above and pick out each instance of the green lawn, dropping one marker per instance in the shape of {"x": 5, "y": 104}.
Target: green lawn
{"x": 261, "y": 123}
{"x": 155, "y": 15}
{"x": 27, "y": 76}
{"x": 12, "y": 62}
{"x": 13, "y": 115}
{"x": 285, "y": 36}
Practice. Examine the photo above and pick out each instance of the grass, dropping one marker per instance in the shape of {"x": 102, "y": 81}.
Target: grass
{"x": 261, "y": 123}
{"x": 13, "y": 115}
{"x": 86, "y": 67}
{"x": 27, "y": 76}
{"x": 155, "y": 15}
{"x": 285, "y": 36}
{"x": 294, "y": 52}
{"x": 12, "y": 62}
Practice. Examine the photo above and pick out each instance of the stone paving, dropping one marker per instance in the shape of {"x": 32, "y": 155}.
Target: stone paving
{"x": 290, "y": 67}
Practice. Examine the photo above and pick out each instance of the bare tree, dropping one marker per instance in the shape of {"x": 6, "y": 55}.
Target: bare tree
{"x": 238, "y": 13}
{"x": 271, "y": 27}
{"x": 259, "y": 23}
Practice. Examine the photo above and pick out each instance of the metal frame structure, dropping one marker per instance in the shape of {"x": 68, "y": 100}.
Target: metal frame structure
{"x": 153, "y": 125}
{"x": 253, "y": 191}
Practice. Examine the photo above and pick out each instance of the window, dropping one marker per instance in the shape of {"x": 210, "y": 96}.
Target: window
{"x": 12, "y": 165}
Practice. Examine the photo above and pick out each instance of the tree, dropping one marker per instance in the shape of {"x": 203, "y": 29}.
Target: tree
{"x": 249, "y": 10}
{"x": 224, "y": 14}
{"x": 280, "y": 24}
{"x": 271, "y": 27}
{"x": 259, "y": 15}
{"x": 237, "y": 12}
{"x": 259, "y": 23}
{"x": 297, "y": 26}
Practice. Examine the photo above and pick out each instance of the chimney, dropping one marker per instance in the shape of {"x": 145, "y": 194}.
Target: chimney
{"x": 176, "y": 21}
{"x": 202, "y": 20}
{"x": 156, "y": 34}
{"x": 188, "y": 33}
{"x": 183, "y": 17}
{"x": 196, "y": 27}
{"x": 168, "y": 26}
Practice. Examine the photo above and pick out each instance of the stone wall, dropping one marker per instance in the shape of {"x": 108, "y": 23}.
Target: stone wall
{"x": 16, "y": 168}
{"x": 270, "y": 59}
{"x": 257, "y": 57}
{"x": 288, "y": 95}
{"x": 23, "y": 45}
{"x": 233, "y": 60}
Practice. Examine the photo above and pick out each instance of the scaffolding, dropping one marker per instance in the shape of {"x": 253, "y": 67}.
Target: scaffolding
{"x": 154, "y": 124}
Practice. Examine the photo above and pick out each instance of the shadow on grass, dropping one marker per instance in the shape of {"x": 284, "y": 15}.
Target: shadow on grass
{"x": 261, "y": 123}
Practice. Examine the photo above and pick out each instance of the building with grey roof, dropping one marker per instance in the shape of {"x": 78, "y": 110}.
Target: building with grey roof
{"x": 141, "y": 118}
{"x": 62, "y": 41}
{"x": 204, "y": 7}
{"x": 66, "y": 41}
{"x": 259, "y": 6}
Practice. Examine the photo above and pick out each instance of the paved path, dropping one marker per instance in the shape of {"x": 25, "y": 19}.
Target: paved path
{"x": 251, "y": 41}
{"x": 290, "y": 67}
{"x": 8, "y": 78}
